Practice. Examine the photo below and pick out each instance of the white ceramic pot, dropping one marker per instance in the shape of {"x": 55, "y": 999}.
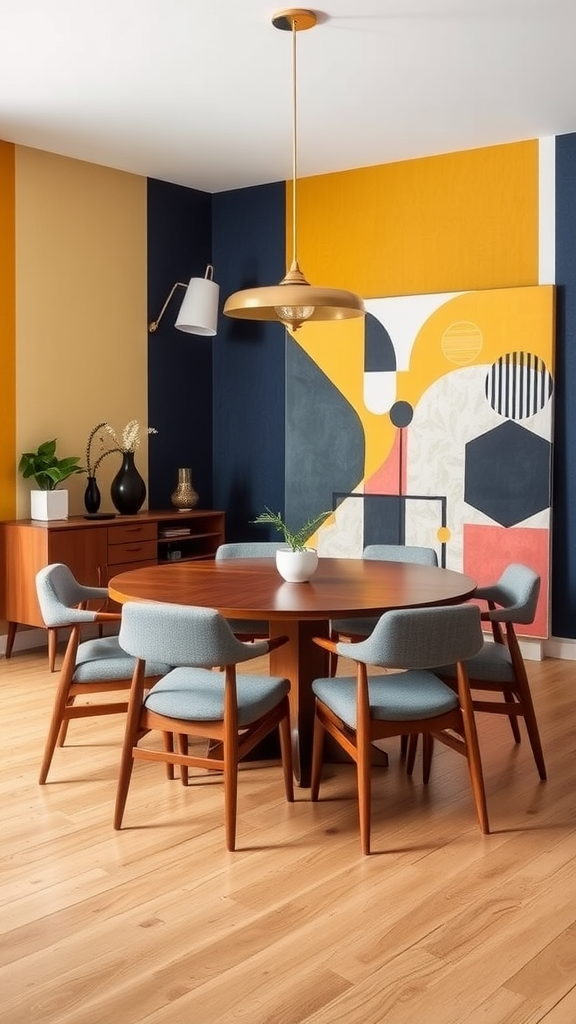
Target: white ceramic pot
{"x": 48, "y": 505}
{"x": 296, "y": 566}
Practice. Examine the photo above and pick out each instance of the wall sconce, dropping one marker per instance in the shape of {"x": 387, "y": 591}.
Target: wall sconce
{"x": 199, "y": 310}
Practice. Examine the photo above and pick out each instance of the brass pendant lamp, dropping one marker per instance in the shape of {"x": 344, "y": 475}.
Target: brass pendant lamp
{"x": 294, "y": 301}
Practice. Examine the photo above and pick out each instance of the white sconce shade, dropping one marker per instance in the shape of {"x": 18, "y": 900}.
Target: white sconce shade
{"x": 199, "y": 310}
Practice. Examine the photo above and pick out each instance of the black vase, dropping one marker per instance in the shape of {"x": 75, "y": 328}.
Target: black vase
{"x": 92, "y": 497}
{"x": 128, "y": 489}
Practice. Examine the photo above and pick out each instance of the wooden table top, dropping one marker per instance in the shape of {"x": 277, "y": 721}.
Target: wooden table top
{"x": 251, "y": 588}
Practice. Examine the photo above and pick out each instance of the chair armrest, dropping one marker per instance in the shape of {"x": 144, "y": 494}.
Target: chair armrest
{"x": 276, "y": 641}
{"x": 107, "y": 617}
{"x": 329, "y": 645}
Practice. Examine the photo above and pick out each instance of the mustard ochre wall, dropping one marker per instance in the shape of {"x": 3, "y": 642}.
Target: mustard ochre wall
{"x": 465, "y": 220}
{"x": 7, "y": 333}
{"x": 81, "y": 333}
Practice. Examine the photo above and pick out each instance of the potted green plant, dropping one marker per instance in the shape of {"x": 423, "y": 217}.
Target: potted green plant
{"x": 48, "y": 471}
{"x": 297, "y": 563}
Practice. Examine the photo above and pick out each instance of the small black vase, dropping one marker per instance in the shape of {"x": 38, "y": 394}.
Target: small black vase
{"x": 128, "y": 489}
{"x": 92, "y": 496}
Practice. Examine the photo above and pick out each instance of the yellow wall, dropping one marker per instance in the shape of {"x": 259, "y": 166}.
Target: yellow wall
{"x": 443, "y": 223}
{"x": 80, "y": 308}
{"x": 7, "y": 334}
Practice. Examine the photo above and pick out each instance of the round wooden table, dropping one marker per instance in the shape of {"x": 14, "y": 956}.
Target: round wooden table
{"x": 251, "y": 588}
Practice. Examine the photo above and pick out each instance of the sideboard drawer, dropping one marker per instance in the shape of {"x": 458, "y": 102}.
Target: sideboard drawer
{"x": 133, "y": 551}
{"x": 115, "y": 570}
{"x": 132, "y": 531}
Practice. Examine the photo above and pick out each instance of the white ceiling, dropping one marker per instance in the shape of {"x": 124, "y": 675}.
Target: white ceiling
{"x": 198, "y": 92}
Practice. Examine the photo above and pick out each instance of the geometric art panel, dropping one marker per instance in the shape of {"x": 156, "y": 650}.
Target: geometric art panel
{"x": 453, "y": 395}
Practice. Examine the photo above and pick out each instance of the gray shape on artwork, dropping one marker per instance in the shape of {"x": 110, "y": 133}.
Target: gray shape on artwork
{"x": 401, "y": 414}
{"x": 379, "y": 353}
{"x": 324, "y": 439}
{"x": 507, "y": 473}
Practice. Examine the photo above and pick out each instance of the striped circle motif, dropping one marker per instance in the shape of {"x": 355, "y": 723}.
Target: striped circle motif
{"x": 518, "y": 385}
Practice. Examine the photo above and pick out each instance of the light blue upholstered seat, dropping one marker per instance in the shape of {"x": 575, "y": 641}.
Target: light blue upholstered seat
{"x": 358, "y": 710}
{"x": 248, "y": 629}
{"x": 93, "y": 666}
{"x": 499, "y": 667}
{"x": 361, "y": 627}
{"x": 233, "y": 710}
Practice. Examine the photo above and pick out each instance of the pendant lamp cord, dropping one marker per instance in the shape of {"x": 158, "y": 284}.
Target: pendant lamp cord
{"x": 294, "y": 142}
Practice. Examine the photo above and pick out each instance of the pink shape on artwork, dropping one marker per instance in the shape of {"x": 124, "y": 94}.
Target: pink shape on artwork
{"x": 386, "y": 479}
{"x": 489, "y": 549}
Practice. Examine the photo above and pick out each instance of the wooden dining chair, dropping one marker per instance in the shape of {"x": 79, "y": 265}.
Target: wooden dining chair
{"x": 357, "y": 710}
{"x": 247, "y": 629}
{"x": 358, "y": 629}
{"x": 499, "y": 667}
{"x": 234, "y": 710}
{"x": 92, "y": 666}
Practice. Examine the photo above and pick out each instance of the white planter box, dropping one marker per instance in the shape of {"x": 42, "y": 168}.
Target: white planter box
{"x": 48, "y": 505}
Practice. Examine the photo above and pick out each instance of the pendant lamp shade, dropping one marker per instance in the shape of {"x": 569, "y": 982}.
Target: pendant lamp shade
{"x": 293, "y": 301}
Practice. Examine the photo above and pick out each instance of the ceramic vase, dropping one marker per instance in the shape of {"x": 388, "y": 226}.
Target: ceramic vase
{"x": 184, "y": 498}
{"x": 297, "y": 566}
{"x": 128, "y": 489}
{"x": 92, "y": 496}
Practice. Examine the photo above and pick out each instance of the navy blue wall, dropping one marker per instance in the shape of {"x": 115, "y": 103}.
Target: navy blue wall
{"x": 249, "y": 361}
{"x": 564, "y": 495}
{"x": 179, "y": 365}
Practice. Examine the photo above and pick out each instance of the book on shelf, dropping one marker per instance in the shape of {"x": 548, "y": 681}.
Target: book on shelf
{"x": 176, "y": 531}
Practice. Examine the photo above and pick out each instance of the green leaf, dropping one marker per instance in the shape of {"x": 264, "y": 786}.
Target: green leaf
{"x": 295, "y": 540}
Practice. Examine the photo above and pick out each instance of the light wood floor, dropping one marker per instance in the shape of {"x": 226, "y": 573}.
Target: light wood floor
{"x": 159, "y": 924}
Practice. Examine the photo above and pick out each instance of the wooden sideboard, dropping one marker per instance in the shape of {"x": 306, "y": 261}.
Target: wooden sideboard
{"x": 95, "y": 549}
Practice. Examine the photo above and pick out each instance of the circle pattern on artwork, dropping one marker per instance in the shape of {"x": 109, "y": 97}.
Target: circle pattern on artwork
{"x": 518, "y": 385}
{"x": 401, "y": 414}
{"x": 462, "y": 342}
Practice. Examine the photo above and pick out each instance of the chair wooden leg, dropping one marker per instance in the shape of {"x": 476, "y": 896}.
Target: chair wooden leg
{"x": 509, "y": 698}
{"x": 129, "y": 743}
{"x": 183, "y": 749}
{"x": 286, "y": 751}
{"x": 412, "y": 745}
{"x": 230, "y": 798}
{"x": 363, "y": 768}
{"x": 52, "y": 648}
{"x": 427, "y": 752}
{"x": 55, "y": 728}
{"x": 168, "y": 743}
{"x": 532, "y": 730}
{"x": 317, "y": 758}
{"x": 404, "y": 745}
{"x": 65, "y": 723}
{"x": 473, "y": 757}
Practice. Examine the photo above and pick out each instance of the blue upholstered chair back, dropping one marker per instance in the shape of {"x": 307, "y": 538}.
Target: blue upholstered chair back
{"x": 58, "y": 594}
{"x": 183, "y": 636}
{"x": 401, "y": 553}
{"x": 248, "y": 549}
{"x": 416, "y": 638}
{"x": 516, "y": 592}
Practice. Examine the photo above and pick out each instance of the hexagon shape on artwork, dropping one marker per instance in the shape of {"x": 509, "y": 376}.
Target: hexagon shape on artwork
{"x": 507, "y": 473}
